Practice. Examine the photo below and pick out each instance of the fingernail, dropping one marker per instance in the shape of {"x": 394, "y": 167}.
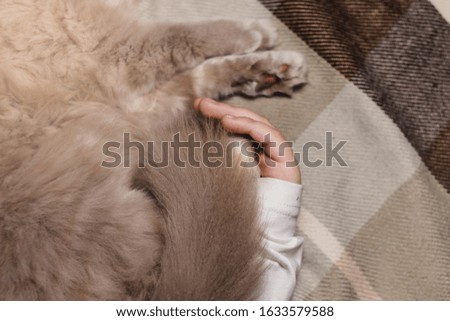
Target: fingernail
{"x": 203, "y": 101}
{"x": 197, "y": 103}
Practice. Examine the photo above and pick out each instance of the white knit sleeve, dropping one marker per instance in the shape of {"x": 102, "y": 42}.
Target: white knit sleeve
{"x": 280, "y": 207}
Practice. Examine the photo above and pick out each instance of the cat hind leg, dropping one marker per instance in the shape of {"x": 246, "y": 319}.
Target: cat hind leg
{"x": 256, "y": 74}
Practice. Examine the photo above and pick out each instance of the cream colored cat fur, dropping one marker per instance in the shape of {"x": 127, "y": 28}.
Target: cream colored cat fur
{"x": 76, "y": 74}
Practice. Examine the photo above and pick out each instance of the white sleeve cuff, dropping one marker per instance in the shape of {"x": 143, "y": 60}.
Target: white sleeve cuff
{"x": 280, "y": 202}
{"x": 280, "y": 207}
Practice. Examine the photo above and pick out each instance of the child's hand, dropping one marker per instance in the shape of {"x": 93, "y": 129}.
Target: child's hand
{"x": 275, "y": 162}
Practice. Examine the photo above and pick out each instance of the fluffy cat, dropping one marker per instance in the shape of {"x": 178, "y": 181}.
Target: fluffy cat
{"x": 75, "y": 74}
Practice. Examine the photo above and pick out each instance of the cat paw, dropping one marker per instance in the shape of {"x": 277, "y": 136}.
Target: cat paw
{"x": 264, "y": 34}
{"x": 274, "y": 72}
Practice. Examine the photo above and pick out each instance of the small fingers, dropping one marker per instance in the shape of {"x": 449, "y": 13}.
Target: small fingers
{"x": 275, "y": 143}
{"x": 214, "y": 109}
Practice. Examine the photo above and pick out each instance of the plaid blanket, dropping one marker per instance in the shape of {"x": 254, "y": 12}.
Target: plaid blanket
{"x": 378, "y": 228}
